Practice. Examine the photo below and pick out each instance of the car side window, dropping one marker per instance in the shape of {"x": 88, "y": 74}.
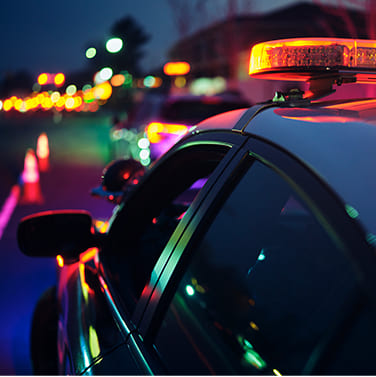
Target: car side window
{"x": 262, "y": 288}
{"x": 147, "y": 220}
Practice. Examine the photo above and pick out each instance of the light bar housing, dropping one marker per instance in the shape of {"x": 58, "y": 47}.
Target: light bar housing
{"x": 303, "y": 59}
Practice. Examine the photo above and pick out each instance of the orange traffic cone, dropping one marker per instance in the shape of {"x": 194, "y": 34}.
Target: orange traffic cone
{"x": 32, "y": 193}
{"x": 43, "y": 152}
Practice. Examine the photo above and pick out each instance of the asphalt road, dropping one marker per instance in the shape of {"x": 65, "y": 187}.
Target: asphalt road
{"x": 79, "y": 150}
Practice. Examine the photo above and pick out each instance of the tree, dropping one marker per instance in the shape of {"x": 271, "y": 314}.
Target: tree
{"x": 128, "y": 58}
{"x": 17, "y": 82}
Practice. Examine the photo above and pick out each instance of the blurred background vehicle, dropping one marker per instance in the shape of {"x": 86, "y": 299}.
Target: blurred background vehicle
{"x": 160, "y": 120}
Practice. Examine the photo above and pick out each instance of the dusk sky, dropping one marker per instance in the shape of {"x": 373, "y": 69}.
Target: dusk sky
{"x": 48, "y": 36}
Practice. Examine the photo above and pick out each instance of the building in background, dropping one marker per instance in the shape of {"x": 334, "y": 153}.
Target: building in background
{"x": 222, "y": 49}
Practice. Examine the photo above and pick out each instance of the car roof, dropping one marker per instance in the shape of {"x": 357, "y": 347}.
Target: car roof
{"x": 334, "y": 139}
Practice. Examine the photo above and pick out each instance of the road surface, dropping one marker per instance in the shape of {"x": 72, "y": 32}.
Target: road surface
{"x": 79, "y": 150}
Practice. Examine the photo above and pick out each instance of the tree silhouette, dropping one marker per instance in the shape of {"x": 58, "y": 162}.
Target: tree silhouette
{"x": 128, "y": 58}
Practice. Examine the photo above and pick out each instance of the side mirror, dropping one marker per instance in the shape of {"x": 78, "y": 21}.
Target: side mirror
{"x": 50, "y": 233}
{"x": 116, "y": 176}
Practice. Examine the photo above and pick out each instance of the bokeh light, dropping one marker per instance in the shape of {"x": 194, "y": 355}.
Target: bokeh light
{"x": 42, "y": 79}
{"x": 149, "y": 81}
{"x": 103, "y": 75}
{"x": 114, "y": 45}
{"x": 91, "y": 52}
{"x": 176, "y": 68}
{"x": 117, "y": 80}
{"x": 180, "y": 82}
{"x": 71, "y": 90}
{"x": 59, "y": 79}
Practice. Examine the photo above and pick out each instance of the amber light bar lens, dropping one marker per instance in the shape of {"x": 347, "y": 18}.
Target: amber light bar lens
{"x": 303, "y": 55}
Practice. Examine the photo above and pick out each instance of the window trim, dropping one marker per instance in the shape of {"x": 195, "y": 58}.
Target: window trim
{"x": 197, "y": 216}
{"x": 202, "y": 140}
{"x": 232, "y": 142}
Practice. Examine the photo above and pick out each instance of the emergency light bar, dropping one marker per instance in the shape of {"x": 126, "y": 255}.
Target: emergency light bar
{"x": 307, "y": 58}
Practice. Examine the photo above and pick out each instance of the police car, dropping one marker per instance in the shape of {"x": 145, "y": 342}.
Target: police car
{"x": 248, "y": 248}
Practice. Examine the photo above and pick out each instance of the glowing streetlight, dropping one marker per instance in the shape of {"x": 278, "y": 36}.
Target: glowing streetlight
{"x": 114, "y": 45}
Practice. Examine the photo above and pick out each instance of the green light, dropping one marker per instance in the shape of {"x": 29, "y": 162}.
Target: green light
{"x": 261, "y": 256}
{"x": 105, "y": 73}
{"x": 86, "y": 87}
{"x": 143, "y": 143}
{"x": 71, "y": 90}
{"x": 128, "y": 79}
{"x": 149, "y": 81}
{"x": 90, "y": 52}
{"x": 114, "y": 45}
{"x": 36, "y": 87}
{"x": 371, "y": 239}
{"x": 250, "y": 355}
{"x": 93, "y": 342}
{"x": 189, "y": 290}
{"x": 351, "y": 211}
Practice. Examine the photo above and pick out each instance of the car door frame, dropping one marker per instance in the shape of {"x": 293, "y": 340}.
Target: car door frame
{"x": 344, "y": 229}
{"x": 127, "y": 326}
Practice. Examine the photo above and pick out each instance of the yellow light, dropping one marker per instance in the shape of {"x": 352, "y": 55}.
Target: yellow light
{"x": 77, "y": 102}
{"x": 180, "y": 82}
{"x": 88, "y": 254}
{"x": 60, "y": 103}
{"x": 18, "y": 104}
{"x": 8, "y": 104}
{"x": 152, "y": 132}
{"x": 295, "y": 59}
{"x": 93, "y": 342}
{"x": 55, "y": 97}
{"x": 69, "y": 103}
{"x": 59, "y": 79}
{"x": 103, "y": 91}
{"x": 156, "y": 130}
{"x": 43, "y": 150}
{"x": 47, "y": 103}
{"x": 102, "y": 226}
{"x": 60, "y": 261}
{"x": 43, "y": 79}
{"x": 176, "y": 68}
